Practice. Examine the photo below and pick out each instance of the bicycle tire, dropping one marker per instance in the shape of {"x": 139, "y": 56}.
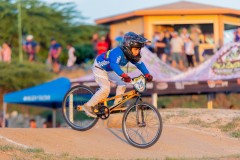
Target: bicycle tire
{"x": 131, "y": 128}
{"x": 78, "y": 120}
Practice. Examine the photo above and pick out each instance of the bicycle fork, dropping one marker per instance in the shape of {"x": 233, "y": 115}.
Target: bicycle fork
{"x": 140, "y": 115}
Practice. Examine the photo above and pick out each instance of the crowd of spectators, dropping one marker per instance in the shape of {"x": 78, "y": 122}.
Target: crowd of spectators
{"x": 179, "y": 49}
{"x": 31, "y": 49}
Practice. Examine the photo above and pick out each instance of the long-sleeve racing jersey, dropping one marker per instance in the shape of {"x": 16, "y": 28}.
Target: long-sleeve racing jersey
{"x": 113, "y": 59}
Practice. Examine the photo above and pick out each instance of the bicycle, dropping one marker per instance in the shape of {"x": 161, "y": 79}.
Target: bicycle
{"x": 141, "y": 122}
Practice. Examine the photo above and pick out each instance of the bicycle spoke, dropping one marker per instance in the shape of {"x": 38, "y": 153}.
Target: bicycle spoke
{"x": 142, "y": 125}
{"x": 75, "y": 118}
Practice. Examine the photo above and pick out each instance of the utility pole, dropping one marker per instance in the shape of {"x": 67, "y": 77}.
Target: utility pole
{"x": 20, "y": 31}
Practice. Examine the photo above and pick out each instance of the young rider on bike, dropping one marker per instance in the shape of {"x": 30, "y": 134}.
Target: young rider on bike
{"x": 106, "y": 68}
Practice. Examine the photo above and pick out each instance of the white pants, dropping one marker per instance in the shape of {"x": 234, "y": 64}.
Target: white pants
{"x": 103, "y": 79}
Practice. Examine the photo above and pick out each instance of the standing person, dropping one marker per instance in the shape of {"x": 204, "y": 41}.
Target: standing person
{"x": 154, "y": 40}
{"x": 184, "y": 34}
{"x": 2, "y": 124}
{"x": 160, "y": 45}
{"x": 237, "y": 35}
{"x": 195, "y": 36}
{"x": 102, "y": 46}
{"x": 106, "y": 68}
{"x": 176, "y": 44}
{"x": 168, "y": 38}
{"x": 30, "y": 47}
{"x": 108, "y": 41}
{"x": 1, "y": 57}
{"x": 189, "y": 51}
{"x": 71, "y": 56}
{"x": 32, "y": 123}
{"x": 119, "y": 39}
{"x": 94, "y": 43}
{"x": 6, "y": 52}
{"x": 54, "y": 54}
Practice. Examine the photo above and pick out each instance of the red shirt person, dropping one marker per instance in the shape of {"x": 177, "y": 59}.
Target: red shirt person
{"x": 102, "y": 46}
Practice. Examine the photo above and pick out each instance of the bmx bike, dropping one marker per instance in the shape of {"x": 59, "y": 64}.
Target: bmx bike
{"x": 141, "y": 122}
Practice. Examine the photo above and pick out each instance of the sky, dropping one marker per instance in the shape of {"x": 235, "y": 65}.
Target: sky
{"x": 97, "y": 9}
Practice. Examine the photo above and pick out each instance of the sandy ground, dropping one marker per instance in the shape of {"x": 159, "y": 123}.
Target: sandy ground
{"x": 187, "y": 133}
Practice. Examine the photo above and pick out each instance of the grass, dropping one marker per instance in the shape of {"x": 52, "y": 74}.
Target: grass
{"x": 19, "y": 153}
{"x": 235, "y": 134}
{"x": 6, "y": 148}
{"x": 199, "y": 122}
{"x": 231, "y": 125}
{"x": 232, "y": 157}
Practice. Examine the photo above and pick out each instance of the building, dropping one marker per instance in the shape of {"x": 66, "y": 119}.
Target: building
{"x": 212, "y": 20}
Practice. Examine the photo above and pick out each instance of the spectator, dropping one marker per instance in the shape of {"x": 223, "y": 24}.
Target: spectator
{"x": 48, "y": 123}
{"x": 1, "y": 121}
{"x": 102, "y": 46}
{"x": 160, "y": 45}
{"x": 237, "y": 35}
{"x": 44, "y": 125}
{"x": 94, "y": 43}
{"x": 54, "y": 54}
{"x": 184, "y": 34}
{"x": 71, "y": 56}
{"x": 189, "y": 51}
{"x": 32, "y": 123}
{"x": 1, "y": 57}
{"x": 195, "y": 36}
{"x": 176, "y": 44}
{"x": 6, "y": 52}
{"x": 168, "y": 38}
{"x": 119, "y": 39}
{"x": 154, "y": 39}
{"x": 30, "y": 47}
{"x": 108, "y": 41}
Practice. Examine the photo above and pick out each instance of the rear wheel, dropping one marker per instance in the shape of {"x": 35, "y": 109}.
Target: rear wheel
{"x": 74, "y": 116}
{"x": 142, "y": 125}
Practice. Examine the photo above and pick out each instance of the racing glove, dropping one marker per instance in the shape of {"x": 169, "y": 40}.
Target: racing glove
{"x": 125, "y": 77}
{"x": 148, "y": 77}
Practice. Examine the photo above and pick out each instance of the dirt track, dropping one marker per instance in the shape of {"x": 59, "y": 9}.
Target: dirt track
{"x": 109, "y": 143}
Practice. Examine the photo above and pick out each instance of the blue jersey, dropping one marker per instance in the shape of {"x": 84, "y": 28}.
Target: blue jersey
{"x": 113, "y": 59}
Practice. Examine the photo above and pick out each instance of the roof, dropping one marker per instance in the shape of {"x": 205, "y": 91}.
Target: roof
{"x": 49, "y": 94}
{"x": 182, "y": 7}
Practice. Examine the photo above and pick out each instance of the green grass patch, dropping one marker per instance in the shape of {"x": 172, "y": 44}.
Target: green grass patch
{"x": 235, "y": 134}
{"x": 199, "y": 122}
{"x": 6, "y": 148}
{"x": 231, "y": 125}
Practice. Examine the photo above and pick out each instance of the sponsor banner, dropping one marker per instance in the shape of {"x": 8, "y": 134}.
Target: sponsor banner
{"x": 181, "y": 85}
{"x": 228, "y": 62}
{"x": 217, "y": 84}
{"x": 36, "y": 98}
{"x": 162, "y": 86}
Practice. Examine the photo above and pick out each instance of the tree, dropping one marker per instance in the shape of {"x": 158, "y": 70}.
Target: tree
{"x": 45, "y": 21}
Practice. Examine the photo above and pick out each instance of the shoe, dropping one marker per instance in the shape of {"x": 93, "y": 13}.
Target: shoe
{"x": 89, "y": 111}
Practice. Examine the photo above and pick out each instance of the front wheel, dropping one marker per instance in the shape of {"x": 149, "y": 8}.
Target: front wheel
{"x": 142, "y": 125}
{"x": 77, "y": 118}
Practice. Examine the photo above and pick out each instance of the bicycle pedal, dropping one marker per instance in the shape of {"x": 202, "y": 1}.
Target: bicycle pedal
{"x": 95, "y": 110}
{"x": 79, "y": 108}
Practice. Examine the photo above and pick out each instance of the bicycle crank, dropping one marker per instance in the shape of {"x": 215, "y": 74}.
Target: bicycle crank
{"x": 103, "y": 112}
